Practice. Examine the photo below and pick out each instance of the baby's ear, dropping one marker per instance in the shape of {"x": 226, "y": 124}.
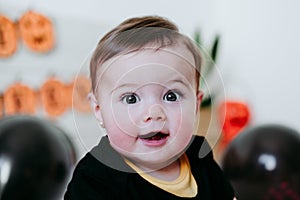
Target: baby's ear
{"x": 95, "y": 107}
{"x": 199, "y": 100}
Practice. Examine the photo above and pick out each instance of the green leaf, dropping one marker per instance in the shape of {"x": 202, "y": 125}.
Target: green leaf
{"x": 214, "y": 49}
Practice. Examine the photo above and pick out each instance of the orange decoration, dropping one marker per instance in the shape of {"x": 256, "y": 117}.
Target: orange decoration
{"x": 38, "y": 100}
{"x": 19, "y": 98}
{"x": 53, "y": 97}
{"x": 82, "y": 86}
{"x": 1, "y": 107}
{"x": 37, "y": 31}
{"x": 8, "y": 37}
{"x": 69, "y": 94}
{"x": 235, "y": 116}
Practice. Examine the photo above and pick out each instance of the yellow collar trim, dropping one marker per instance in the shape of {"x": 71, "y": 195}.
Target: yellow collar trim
{"x": 183, "y": 186}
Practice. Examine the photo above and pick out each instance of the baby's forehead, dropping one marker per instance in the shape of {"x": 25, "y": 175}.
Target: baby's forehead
{"x": 149, "y": 65}
{"x": 169, "y": 56}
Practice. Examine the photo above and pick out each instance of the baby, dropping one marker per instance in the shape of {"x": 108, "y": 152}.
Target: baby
{"x": 145, "y": 94}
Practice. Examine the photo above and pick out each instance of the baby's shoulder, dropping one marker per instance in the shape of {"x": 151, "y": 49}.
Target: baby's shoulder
{"x": 199, "y": 149}
{"x": 90, "y": 166}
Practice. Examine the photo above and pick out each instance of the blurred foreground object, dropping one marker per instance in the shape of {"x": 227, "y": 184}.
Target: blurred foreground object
{"x": 262, "y": 163}
{"x": 36, "y": 159}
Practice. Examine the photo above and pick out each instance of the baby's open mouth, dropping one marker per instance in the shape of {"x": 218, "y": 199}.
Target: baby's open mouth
{"x": 154, "y": 136}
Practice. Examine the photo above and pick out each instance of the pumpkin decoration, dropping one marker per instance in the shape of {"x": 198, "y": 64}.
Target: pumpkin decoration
{"x": 37, "y": 31}
{"x": 8, "y": 37}
{"x": 81, "y": 88}
{"x": 53, "y": 97}
{"x": 1, "y": 107}
{"x": 19, "y": 98}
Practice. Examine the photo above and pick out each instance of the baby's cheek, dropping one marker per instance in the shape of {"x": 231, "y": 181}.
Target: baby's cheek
{"x": 120, "y": 140}
{"x": 187, "y": 122}
{"x": 176, "y": 121}
{"x": 122, "y": 125}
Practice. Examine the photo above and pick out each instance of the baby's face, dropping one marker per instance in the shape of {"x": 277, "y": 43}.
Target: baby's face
{"x": 148, "y": 102}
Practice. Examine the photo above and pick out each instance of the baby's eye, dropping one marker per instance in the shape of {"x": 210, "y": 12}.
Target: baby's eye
{"x": 172, "y": 96}
{"x": 130, "y": 98}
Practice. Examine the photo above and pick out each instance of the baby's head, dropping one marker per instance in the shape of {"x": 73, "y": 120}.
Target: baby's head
{"x": 145, "y": 80}
{"x": 134, "y": 34}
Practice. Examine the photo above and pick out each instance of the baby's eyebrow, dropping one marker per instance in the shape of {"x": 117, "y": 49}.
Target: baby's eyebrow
{"x": 134, "y": 86}
{"x": 125, "y": 85}
{"x": 180, "y": 81}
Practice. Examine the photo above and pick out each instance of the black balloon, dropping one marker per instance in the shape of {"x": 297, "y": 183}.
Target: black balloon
{"x": 263, "y": 162}
{"x": 36, "y": 159}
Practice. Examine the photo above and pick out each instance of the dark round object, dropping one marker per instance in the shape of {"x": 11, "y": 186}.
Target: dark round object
{"x": 262, "y": 162}
{"x": 36, "y": 158}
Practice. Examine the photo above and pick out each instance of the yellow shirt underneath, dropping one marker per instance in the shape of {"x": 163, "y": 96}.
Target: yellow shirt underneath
{"x": 183, "y": 186}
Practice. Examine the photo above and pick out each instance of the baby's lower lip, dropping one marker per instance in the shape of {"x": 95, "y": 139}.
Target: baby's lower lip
{"x": 155, "y": 142}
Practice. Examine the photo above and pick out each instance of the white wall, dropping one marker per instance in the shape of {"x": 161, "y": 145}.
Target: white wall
{"x": 258, "y": 59}
{"x": 260, "y": 51}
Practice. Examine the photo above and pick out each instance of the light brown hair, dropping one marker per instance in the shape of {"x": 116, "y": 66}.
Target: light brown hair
{"x": 133, "y": 34}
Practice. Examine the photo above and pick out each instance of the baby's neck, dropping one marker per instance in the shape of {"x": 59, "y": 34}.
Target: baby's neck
{"x": 168, "y": 173}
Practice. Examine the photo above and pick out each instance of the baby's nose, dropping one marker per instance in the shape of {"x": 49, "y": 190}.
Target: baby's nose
{"x": 155, "y": 113}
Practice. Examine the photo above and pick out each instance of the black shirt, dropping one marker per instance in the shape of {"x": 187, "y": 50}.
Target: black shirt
{"x": 103, "y": 174}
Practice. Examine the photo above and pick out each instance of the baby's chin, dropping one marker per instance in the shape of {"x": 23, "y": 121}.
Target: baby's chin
{"x": 148, "y": 168}
{"x": 151, "y": 162}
